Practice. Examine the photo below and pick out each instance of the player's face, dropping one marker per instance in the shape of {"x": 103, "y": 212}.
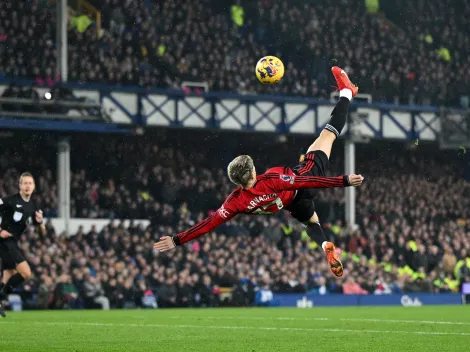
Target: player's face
{"x": 254, "y": 173}
{"x": 27, "y": 185}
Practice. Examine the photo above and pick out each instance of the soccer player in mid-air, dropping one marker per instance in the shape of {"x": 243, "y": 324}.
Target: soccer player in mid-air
{"x": 17, "y": 211}
{"x": 282, "y": 187}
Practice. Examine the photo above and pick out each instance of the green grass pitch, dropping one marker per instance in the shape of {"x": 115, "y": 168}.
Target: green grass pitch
{"x": 426, "y": 329}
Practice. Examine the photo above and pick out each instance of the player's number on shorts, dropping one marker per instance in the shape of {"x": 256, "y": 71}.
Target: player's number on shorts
{"x": 262, "y": 210}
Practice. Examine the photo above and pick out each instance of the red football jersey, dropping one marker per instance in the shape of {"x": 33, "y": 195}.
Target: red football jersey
{"x": 271, "y": 192}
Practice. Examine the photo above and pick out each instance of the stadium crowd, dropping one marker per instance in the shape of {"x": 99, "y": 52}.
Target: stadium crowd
{"x": 411, "y": 237}
{"x": 407, "y": 61}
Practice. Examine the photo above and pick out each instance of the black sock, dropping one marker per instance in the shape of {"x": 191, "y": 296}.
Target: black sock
{"x": 14, "y": 281}
{"x": 2, "y": 287}
{"x": 338, "y": 116}
{"x": 315, "y": 232}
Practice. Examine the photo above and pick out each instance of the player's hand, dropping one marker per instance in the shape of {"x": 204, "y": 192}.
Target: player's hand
{"x": 39, "y": 217}
{"x": 355, "y": 180}
{"x": 164, "y": 244}
{"x": 5, "y": 234}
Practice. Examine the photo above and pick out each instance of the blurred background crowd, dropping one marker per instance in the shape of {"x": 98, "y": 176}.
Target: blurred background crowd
{"x": 413, "y": 211}
{"x": 412, "y": 234}
{"x": 407, "y": 53}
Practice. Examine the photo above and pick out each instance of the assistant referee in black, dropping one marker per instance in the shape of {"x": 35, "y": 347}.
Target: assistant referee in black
{"x": 17, "y": 211}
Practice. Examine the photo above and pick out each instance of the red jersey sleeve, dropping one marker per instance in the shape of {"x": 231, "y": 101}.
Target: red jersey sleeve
{"x": 294, "y": 182}
{"x": 226, "y": 212}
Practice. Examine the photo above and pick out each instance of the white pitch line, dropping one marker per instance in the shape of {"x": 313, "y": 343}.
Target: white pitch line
{"x": 227, "y": 327}
{"x": 407, "y": 321}
{"x": 326, "y": 319}
{"x": 245, "y": 318}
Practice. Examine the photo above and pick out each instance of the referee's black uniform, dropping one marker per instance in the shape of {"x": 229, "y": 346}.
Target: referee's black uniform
{"x": 16, "y": 214}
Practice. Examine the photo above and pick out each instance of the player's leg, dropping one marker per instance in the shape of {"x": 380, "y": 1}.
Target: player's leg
{"x": 316, "y": 233}
{"x": 16, "y": 270}
{"x": 303, "y": 209}
{"x": 24, "y": 270}
{"x": 7, "y": 274}
{"x": 7, "y": 264}
{"x": 337, "y": 121}
{"x": 16, "y": 277}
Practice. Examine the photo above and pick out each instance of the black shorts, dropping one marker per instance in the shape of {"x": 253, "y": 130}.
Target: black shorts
{"x": 315, "y": 164}
{"x": 10, "y": 254}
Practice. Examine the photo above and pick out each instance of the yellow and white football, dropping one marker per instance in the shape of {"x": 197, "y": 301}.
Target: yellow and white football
{"x": 269, "y": 70}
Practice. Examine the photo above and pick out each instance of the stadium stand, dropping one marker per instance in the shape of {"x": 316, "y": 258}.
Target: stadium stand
{"x": 411, "y": 236}
{"x": 130, "y": 114}
{"x": 394, "y": 59}
{"x": 447, "y": 45}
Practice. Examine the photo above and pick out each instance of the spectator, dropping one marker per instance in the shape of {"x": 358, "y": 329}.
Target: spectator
{"x": 321, "y": 288}
{"x": 149, "y": 300}
{"x": 184, "y": 291}
{"x": 94, "y": 294}
{"x": 115, "y": 294}
{"x": 353, "y": 288}
{"x": 283, "y": 285}
{"x": 44, "y": 292}
{"x": 449, "y": 260}
{"x": 208, "y": 293}
{"x": 420, "y": 259}
{"x": 264, "y": 296}
{"x": 128, "y": 294}
{"x": 65, "y": 293}
{"x": 433, "y": 258}
{"x": 167, "y": 294}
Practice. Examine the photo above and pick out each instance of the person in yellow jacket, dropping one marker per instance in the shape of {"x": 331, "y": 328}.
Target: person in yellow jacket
{"x": 238, "y": 14}
{"x": 372, "y": 6}
{"x": 287, "y": 234}
{"x": 452, "y": 283}
{"x": 444, "y": 53}
{"x": 463, "y": 265}
{"x": 81, "y": 23}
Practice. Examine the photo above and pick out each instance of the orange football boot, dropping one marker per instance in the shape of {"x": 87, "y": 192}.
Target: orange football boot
{"x": 336, "y": 266}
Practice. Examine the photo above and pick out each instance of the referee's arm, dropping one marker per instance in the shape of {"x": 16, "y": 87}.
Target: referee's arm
{"x": 4, "y": 205}
{"x": 39, "y": 222}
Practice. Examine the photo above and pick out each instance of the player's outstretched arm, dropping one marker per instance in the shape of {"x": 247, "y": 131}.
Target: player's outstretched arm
{"x": 288, "y": 182}
{"x": 207, "y": 225}
{"x": 355, "y": 180}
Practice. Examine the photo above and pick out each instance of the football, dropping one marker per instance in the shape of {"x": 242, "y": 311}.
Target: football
{"x": 269, "y": 70}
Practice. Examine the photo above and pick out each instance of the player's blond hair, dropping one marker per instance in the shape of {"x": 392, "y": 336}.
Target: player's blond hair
{"x": 240, "y": 170}
{"x": 25, "y": 174}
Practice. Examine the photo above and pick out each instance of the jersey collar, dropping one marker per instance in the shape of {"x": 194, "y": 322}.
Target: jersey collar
{"x": 27, "y": 201}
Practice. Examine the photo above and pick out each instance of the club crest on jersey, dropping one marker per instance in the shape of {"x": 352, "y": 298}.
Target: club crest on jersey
{"x": 223, "y": 212}
{"x": 17, "y": 216}
{"x": 287, "y": 178}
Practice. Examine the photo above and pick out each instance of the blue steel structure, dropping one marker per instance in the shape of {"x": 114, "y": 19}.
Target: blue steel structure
{"x": 129, "y": 107}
